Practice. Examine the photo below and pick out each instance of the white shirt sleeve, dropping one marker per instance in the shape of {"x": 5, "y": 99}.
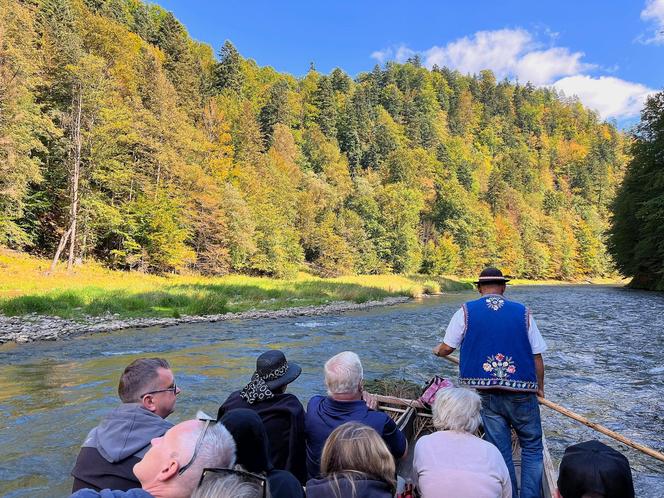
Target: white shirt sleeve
{"x": 456, "y": 329}
{"x": 535, "y": 338}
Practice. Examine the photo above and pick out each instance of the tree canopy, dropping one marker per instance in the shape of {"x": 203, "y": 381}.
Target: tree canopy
{"x": 185, "y": 160}
{"x": 637, "y": 230}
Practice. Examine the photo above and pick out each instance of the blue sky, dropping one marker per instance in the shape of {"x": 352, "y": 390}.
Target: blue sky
{"x": 609, "y": 53}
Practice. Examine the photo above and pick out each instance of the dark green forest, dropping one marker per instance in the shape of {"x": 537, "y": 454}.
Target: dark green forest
{"x": 637, "y": 234}
{"x": 125, "y": 141}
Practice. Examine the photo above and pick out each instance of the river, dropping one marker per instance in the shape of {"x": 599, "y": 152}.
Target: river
{"x": 605, "y": 361}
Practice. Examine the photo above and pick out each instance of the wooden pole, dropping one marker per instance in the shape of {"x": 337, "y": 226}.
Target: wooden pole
{"x": 599, "y": 428}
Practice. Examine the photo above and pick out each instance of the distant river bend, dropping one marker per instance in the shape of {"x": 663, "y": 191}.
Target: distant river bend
{"x": 605, "y": 360}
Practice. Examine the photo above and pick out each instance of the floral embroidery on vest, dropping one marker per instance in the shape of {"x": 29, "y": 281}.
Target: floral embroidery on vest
{"x": 500, "y": 366}
{"x": 495, "y": 302}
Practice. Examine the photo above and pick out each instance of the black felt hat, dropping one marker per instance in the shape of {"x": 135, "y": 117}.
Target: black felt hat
{"x": 491, "y": 275}
{"x": 275, "y": 370}
{"x": 593, "y": 467}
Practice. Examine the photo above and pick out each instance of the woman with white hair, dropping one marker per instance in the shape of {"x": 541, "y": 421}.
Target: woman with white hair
{"x": 453, "y": 461}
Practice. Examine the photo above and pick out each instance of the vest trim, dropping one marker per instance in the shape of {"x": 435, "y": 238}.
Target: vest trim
{"x": 511, "y": 385}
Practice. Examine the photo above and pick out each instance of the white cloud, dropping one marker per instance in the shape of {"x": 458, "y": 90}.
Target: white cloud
{"x": 518, "y": 54}
{"x": 382, "y": 55}
{"x": 542, "y": 67}
{"x": 654, "y": 12}
{"x": 610, "y": 97}
{"x": 399, "y": 53}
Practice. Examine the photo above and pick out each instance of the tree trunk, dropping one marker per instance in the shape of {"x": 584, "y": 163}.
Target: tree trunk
{"x": 61, "y": 246}
{"x": 76, "y": 173}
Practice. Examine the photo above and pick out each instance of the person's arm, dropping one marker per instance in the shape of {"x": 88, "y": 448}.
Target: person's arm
{"x": 395, "y": 439}
{"x": 539, "y": 371}
{"x": 453, "y": 335}
{"x": 443, "y": 349}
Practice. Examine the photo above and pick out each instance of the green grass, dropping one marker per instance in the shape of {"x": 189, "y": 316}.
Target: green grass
{"x": 93, "y": 290}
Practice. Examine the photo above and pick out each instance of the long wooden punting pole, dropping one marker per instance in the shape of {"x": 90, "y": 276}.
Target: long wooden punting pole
{"x": 599, "y": 428}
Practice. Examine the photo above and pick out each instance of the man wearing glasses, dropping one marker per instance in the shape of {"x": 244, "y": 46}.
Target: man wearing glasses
{"x": 174, "y": 465}
{"x": 148, "y": 393}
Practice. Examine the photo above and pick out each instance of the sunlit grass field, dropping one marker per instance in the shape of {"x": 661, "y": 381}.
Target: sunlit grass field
{"x": 93, "y": 290}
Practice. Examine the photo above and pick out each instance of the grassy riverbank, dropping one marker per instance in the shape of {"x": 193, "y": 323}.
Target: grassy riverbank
{"x": 93, "y": 290}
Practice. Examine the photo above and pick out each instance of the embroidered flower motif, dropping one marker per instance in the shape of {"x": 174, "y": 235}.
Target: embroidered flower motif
{"x": 495, "y": 302}
{"x": 499, "y": 365}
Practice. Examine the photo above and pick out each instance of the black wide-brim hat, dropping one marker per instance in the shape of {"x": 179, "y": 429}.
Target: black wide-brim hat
{"x": 492, "y": 275}
{"x": 275, "y": 370}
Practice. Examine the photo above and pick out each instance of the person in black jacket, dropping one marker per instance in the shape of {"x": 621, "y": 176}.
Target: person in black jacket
{"x": 253, "y": 455}
{"x": 281, "y": 412}
{"x": 356, "y": 463}
{"x": 148, "y": 393}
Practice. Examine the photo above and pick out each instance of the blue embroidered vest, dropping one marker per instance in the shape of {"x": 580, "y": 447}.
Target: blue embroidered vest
{"x": 495, "y": 352}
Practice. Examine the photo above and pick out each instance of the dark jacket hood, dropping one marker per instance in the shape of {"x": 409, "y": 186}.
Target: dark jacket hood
{"x": 108, "y": 493}
{"x": 248, "y": 431}
{"x": 364, "y": 488}
{"x": 126, "y": 431}
{"x": 334, "y": 413}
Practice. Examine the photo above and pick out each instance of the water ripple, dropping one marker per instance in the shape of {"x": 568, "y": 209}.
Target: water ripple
{"x": 604, "y": 361}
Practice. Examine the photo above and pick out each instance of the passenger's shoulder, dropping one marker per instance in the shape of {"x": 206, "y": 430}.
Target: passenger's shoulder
{"x": 109, "y": 493}
{"x": 315, "y": 401}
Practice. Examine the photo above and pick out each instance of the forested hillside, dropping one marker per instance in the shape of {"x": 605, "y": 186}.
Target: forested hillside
{"x": 123, "y": 140}
{"x": 637, "y": 232}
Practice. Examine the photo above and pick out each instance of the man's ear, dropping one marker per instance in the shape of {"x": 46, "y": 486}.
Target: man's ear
{"x": 169, "y": 470}
{"x": 556, "y": 494}
{"x": 148, "y": 403}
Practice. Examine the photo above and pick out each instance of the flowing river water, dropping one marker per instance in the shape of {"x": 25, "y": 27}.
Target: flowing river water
{"x": 605, "y": 361}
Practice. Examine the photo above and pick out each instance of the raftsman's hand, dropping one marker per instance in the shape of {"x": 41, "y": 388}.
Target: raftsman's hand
{"x": 443, "y": 349}
{"x": 370, "y": 400}
{"x": 540, "y": 392}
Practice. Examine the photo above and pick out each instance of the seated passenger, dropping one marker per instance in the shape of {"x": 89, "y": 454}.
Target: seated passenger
{"x": 218, "y": 484}
{"x": 355, "y": 463}
{"x": 253, "y": 455}
{"x": 594, "y": 470}
{"x": 453, "y": 461}
{"x": 173, "y": 466}
{"x": 148, "y": 392}
{"x": 345, "y": 403}
{"x": 281, "y": 412}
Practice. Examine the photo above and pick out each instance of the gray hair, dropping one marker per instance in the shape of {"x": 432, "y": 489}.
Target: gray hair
{"x": 457, "y": 409}
{"x": 216, "y": 450}
{"x": 343, "y": 373}
{"x": 228, "y": 486}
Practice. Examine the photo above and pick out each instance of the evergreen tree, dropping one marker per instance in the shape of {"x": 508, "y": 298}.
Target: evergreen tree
{"x": 637, "y": 233}
{"x": 228, "y": 73}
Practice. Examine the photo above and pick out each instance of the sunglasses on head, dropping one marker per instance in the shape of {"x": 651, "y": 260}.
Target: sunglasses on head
{"x": 244, "y": 475}
{"x": 199, "y": 441}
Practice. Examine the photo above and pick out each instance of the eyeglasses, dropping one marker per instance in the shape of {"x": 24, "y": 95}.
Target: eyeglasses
{"x": 173, "y": 388}
{"x": 199, "y": 441}
{"x": 244, "y": 475}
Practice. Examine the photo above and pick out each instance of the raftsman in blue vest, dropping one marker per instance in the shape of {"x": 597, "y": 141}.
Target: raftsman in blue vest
{"x": 495, "y": 352}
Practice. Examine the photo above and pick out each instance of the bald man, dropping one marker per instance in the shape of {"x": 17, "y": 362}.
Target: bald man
{"x": 174, "y": 464}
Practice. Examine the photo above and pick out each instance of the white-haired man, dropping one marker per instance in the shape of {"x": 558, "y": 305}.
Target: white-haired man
{"x": 174, "y": 464}
{"x": 346, "y": 402}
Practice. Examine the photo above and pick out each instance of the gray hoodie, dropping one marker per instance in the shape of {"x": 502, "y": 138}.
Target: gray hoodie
{"x": 126, "y": 431}
{"x": 112, "y": 448}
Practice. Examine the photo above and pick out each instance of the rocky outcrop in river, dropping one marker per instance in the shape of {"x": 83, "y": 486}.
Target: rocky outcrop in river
{"x": 34, "y": 327}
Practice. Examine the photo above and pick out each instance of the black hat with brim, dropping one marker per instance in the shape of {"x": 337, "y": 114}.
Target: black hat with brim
{"x": 491, "y": 275}
{"x": 275, "y": 370}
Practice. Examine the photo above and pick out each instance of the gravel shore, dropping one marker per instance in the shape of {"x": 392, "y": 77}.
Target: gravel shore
{"x": 29, "y": 328}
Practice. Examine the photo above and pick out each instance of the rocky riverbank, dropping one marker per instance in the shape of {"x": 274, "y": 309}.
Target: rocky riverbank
{"x": 33, "y": 327}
